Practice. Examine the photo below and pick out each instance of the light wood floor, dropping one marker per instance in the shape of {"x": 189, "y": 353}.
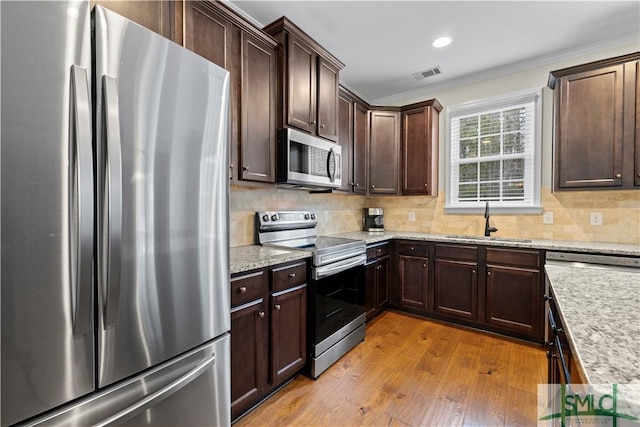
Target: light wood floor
{"x": 410, "y": 371}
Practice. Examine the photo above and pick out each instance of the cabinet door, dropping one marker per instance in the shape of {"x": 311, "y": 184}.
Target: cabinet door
{"x": 345, "y": 139}
{"x": 382, "y": 283}
{"x": 456, "y": 289}
{"x": 360, "y": 126}
{"x": 301, "y": 85}
{"x": 513, "y": 299}
{"x": 371, "y": 287}
{"x": 249, "y": 335}
{"x": 288, "y": 333}
{"x": 258, "y": 106}
{"x": 211, "y": 36}
{"x": 589, "y": 129}
{"x": 418, "y": 160}
{"x": 636, "y": 142}
{"x": 413, "y": 282}
{"x": 328, "y": 82}
{"x": 383, "y": 152}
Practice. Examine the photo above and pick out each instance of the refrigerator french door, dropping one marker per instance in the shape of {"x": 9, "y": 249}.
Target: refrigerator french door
{"x": 114, "y": 222}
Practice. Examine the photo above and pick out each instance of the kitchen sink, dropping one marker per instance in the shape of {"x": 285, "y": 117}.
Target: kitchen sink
{"x": 493, "y": 238}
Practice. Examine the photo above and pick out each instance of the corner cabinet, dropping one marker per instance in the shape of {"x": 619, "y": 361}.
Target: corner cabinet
{"x": 596, "y": 124}
{"x": 309, "y": 77}
{"x": 420, "y": 148}
{"x": 268, "y": 331}
{"x": 384, "y": 151}
{"x": 218, "y": 34}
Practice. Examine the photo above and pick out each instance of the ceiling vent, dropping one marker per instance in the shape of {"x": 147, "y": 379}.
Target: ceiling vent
{"x": 427, "y": 73}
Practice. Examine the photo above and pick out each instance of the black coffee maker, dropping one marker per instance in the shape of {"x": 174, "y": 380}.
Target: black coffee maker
{"x": 372, "y": 219}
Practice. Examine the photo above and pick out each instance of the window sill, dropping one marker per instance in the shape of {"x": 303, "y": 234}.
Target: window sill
{"x": 494, "y": 210}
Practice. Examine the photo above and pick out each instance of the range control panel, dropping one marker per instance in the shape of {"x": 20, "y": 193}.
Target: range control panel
{"x": 283, "y": 220}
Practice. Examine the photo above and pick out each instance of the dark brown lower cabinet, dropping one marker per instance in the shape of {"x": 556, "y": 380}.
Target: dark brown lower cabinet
{"x": 377, "y": 279}
{"x": 456, "y": 281}
{"x": 249, "y": 339}
{"x": 288, "y": 333}
{"x": 268, "y": 331}
{"x": 413, "y": 275}
{"x": 514, "y": 291}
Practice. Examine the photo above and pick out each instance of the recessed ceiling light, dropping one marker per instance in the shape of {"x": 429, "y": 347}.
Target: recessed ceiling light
{"x": 441, "y": 41}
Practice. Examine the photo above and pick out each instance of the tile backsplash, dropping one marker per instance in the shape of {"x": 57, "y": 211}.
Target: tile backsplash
{"x": 339, "y": 213}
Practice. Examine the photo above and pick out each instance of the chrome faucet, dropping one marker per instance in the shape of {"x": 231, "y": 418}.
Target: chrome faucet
{"x": 488, "y": 230}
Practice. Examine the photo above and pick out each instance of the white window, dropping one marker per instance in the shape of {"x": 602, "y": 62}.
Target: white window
{"x": 493, "y": 154}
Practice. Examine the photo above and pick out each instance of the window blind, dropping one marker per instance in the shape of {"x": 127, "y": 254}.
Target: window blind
{"x": 494, "y": 152}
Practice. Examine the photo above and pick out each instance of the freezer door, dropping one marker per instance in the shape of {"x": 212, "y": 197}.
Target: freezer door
{"x": 163, "y": 266}
{"x": 191, "y": 390}
{"x": 47, "y": 206}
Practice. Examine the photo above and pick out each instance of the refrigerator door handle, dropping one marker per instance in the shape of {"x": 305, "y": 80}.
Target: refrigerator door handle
{"x": 160, "y": 395}
{"x": 113, "y": 199}
{"x": 81, "y": 201}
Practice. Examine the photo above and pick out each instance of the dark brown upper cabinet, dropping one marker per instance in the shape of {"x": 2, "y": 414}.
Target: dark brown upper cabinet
{"x": 352, "y": 137}
{"x": 384, "y": 151}
{"x": 596, "y": 124}
{"x": 308, "y": 85}
{"x": 218, "y": 34}
{"x": 161, "y": 17}
{"x": 420, "y": 148}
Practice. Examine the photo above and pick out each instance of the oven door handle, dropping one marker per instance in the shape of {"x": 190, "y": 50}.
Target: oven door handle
{"x": 338, "y": 267}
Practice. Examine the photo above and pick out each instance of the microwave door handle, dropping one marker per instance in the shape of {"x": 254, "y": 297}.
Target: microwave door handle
{"x": 81, "y": 203}
{"x": 332, "y": 173}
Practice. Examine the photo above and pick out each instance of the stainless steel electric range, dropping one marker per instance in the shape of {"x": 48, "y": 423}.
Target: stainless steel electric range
{"x": 336, "y": 292}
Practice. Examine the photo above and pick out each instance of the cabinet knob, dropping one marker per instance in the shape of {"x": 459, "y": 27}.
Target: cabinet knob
{"x": 261, "y": 314}
{"x": 473, "y": 271}
{"x": 379, "y": 250}
{"x": 412, "y": 248}
{"x": 321, "y": 126}
{"x": 352, "y": 184}
{"x": 245, "y": 168}
{"x": 292, "y": 275}
{"x": 618, "y": 175}
{"x": 277, "y": 306}
{"x": 424, "y": 265}
{"x": 373, "y": 186}
{"x": 357, "y": 185}
{"x": 638, "y": 174}
{"x": 313, "y": 122}
{"x": 488, "y": 273}
{"x": 243, "y": 289}
{"x": 426, "y": 185}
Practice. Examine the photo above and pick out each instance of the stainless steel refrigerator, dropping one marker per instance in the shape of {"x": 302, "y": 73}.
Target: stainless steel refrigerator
{"x": 115, "y": 300}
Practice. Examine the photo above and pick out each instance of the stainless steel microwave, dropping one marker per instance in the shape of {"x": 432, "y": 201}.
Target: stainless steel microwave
{"x": 306, "y": 161}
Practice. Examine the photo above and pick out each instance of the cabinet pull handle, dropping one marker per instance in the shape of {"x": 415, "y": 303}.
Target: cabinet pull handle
{"x": 292, "y": 275}
{"x": 618, "y": 175}
{"x": 261, "y": 314}
{"x": 277, "y": 306}
{"x": 243, "y": 289}
{"x": 245, "y": 168}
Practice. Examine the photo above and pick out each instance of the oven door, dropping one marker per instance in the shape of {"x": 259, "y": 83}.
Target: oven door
{"x": 306, "y": 160}
{"x": 336, "y": 301}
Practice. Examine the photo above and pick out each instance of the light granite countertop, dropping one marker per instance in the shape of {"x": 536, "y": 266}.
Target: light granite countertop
{"x": 549, "y": 245}
{"x": 245, "y": 258}
{"x": 600, "y": 312}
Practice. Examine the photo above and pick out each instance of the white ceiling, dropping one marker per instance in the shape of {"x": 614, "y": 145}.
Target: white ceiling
{"x": 383, "y": 43}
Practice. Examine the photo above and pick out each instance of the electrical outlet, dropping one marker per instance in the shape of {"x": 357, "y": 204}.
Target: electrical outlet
{"x": 547, "y": 217}
{"x": 596, "y": 218}
{"x": 412, "y": 216}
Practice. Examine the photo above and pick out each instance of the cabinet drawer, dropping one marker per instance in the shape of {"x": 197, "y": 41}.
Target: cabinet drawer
{"x": 378, "y": 251}
{"x": 413, "y": 249}
{"x": 457, "y": 252}
{"x": 248, "y": 287}
{"x": 513, "y": 257}
{"x": 288, "y": 276}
